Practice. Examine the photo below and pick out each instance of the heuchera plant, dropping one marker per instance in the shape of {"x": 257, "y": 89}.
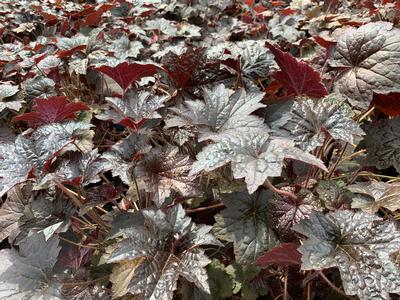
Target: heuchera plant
{"x": 176, "y": 149}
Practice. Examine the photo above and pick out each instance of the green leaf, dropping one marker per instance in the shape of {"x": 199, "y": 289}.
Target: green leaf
{"x": 221, "y": 283}
{"x": 244, "y": 222}
{"x": 242, "y": 280}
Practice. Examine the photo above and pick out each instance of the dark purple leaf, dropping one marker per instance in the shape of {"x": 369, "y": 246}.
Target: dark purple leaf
{"x": 282, "y": 255}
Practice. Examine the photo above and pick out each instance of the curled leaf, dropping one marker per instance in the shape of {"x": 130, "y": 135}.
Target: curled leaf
{"x": 125, "y": 74}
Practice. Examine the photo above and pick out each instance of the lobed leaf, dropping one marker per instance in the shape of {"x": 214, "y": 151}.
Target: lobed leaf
{"x": 373, "y": 195}
{"x": 383, "y": 143}
{"x": 370, "y": 58}
{"x": 222, "y": 113}
{"x": 252, "y": 156}
{"x": 133, "y": 108}
{"x": 52, "y": 110}
{"x": 310, "y": 120}
{"x": 164, "y": 170}
{"x": 125, "y": 74}
{"x": 244, "y": 222}
{"x": 26, "y": 274}
{"x": 297, "y": 77}
{"x": 359, "y": 244}
{"x": 168, "y": 249}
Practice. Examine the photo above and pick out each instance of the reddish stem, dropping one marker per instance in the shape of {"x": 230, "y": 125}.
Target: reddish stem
{"x": 199, "y": 209}
{"x": 270, "y": 186}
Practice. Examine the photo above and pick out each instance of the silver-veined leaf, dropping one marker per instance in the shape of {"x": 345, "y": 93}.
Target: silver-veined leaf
{"x": 359, "y": 244}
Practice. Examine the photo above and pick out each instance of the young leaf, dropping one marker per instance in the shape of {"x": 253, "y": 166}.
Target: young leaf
{"x": 383, "y": 143}
{"x": 359, "y": 244}
{"x": 121, "y": 157}
{"x": 282, "y": 255}
{"x": 253, "y": 156}
{"x": 222, "y": 113}
{"x": 221, "y": 283}
{"x": 168, "y": 246}
{"x": 297, "y": 76}
{"x": 125, "y": 74}
{"x": 283, "y": 212}
{"x": 181, "y": 68}
{"x": 370, "y": 56}
{"x": 189, "y": 69}
{"x": 27, "y": 273}
{"x": 310, "y": 120}
{"x": 164, "y": 170}
{"x": 52, "y": 110}
{"x": 254, "y": 60}
{"x": 244, "y": 222}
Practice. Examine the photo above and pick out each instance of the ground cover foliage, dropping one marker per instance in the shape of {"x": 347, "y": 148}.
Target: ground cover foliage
{"x": 174, "y": 149}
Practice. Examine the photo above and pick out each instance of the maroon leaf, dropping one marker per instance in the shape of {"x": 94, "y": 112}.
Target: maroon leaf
{"x": 77, "y": 256}
{"x": 283, "y": 255}
{"x": 296, "y": 76}
{"x": 124, "y": 74}
{"x": 52, "y": 110}
{"x": 128, "y": 122}
{"x": 388, "y": 104}
{"x": 99, "y": 195}
{"x": 180, "y": 68}
{"x": 190, "y": 69}
{"x": 69, "y": 52}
